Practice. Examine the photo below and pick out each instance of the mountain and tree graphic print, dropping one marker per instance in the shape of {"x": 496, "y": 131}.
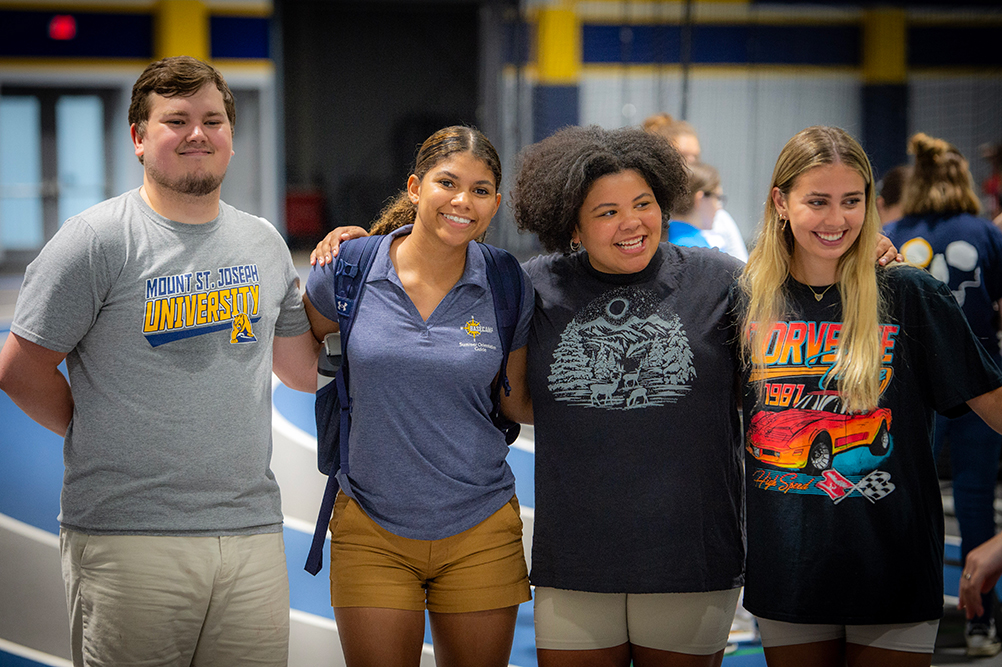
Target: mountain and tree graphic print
{"x": 626, "y": 349}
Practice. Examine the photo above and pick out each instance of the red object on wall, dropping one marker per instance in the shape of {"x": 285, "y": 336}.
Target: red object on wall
{"x": 304, "y": 213}
{"x": 62, "y": 27}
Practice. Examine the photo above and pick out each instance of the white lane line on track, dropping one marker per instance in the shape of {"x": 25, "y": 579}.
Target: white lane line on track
{"x": 287, "y": 428}
{"x": 33, "y": 655}
{"x": 312, "y": 619}
{"x": 299, "y": 525}
{"x": 29, "y": 531}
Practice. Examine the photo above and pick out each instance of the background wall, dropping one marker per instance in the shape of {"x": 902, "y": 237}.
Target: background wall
{"x": 365, "y": 84}
{"x": 748, "y": 75}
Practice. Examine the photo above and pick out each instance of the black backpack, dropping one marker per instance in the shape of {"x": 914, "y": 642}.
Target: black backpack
{"x": 333, "y": 402}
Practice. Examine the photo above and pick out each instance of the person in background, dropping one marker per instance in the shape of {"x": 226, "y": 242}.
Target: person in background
{"x": 845, "y": 365}
{"x": 982, "y": 568}
{"x": 724, "y": 232}
{"x": 427, "y": 517}
{"x": 693, "y": 214}
{"x": 890, "y": 205}
{"x": 991, "y": 187}
{"x": 171, "y": 310}
{"x": 942, "y": 234}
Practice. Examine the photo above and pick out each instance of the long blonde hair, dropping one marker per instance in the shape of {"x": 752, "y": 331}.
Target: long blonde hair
{"x": 859, "y": 353}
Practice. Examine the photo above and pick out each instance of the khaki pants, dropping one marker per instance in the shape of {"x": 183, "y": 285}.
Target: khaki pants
{"x": 176, "y": 601}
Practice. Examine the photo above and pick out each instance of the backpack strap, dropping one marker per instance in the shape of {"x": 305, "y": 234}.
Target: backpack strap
{"x": 355, "y": 258}
{"x": 505, "y": 278}
{"x": 350, "y": 273}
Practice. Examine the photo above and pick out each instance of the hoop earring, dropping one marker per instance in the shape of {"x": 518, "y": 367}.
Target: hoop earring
{"x": 575, "y": 245}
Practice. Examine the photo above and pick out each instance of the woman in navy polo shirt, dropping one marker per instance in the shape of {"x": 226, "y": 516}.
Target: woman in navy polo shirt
{"x": 428, "y": 518}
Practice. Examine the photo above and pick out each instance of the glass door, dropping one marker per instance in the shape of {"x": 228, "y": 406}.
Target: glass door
{"x": 53, "y": 163}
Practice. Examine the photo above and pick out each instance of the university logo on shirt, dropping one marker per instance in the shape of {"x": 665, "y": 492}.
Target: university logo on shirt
{"x": 193, "y": 304}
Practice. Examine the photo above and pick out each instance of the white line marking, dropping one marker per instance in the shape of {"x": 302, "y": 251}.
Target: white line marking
{"x": 299, "y": 525}
{"x": 285, "y": 427}
{"x": 29, "y": 531}
{"x": 32, "y": 654}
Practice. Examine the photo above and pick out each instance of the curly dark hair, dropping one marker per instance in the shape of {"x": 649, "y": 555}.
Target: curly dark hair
{"x": 557, "y": 173}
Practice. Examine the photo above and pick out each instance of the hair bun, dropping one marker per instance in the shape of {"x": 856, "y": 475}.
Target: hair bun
{"x": 927, "y": 149}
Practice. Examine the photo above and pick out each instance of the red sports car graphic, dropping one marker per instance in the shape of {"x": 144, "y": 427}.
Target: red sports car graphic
{"x": 810, "y": 434}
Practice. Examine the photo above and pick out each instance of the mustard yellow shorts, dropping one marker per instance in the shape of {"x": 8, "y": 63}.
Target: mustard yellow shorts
{"x": 481, "y": 568}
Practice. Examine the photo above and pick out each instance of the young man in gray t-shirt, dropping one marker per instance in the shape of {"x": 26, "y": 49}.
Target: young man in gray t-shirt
{"x": 171, "y": 310}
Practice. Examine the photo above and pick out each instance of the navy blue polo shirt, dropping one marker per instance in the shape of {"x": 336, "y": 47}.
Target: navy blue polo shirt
{"x": 425, "y": 460}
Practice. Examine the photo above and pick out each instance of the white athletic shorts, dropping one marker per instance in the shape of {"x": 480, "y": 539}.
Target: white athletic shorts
{"x": 907, "y": 637}
{"x": 693, "y": 623}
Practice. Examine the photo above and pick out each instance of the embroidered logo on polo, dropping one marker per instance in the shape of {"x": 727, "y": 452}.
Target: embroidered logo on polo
{"x": 474, "y": 328}
{"x": 193, "y": 304}
{"x": 625, "y": 350}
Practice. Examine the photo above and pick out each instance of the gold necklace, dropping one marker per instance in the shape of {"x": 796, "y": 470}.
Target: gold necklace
{"x": 818, "y": 297}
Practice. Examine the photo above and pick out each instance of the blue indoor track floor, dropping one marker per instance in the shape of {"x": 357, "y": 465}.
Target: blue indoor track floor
{"x": 33, "y": 629}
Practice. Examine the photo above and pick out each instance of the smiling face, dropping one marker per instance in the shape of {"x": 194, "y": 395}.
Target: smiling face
{"x": 825, "y": 208}
{"x": 619, "y": 223}
{"x": 455, "y": 200}
{"x": 187, "y": 143}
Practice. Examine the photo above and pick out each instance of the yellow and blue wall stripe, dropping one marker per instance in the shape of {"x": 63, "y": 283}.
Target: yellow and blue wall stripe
{"x": 173, "y": 27}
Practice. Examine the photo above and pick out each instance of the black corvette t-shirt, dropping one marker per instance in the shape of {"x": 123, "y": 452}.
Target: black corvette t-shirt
{"x": 844, "y": 517}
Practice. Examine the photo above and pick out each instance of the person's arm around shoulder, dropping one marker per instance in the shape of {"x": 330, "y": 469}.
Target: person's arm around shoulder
{"x": 326, "y": 250}
{"x": 29, "y": 374}
{"x": 517, "y": 406}
{"x": 294, "y": 361}
{"x": 981, "y": 571}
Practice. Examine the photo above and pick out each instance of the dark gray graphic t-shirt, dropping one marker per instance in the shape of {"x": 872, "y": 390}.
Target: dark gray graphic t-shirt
{"x": 638, "y": 474}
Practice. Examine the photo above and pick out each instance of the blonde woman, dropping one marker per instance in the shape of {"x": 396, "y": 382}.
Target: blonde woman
{"x": 846, "y": 364}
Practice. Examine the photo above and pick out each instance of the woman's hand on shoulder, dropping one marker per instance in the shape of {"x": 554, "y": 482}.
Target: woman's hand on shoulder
{"x": 886, "y": 252}
{"x": 326, "y": 250}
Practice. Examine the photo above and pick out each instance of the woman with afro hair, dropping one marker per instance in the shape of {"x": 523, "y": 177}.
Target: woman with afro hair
{"x": 637, "y": 547}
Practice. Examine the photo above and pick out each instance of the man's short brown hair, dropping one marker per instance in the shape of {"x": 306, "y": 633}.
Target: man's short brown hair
{"x": 176, "y": 76}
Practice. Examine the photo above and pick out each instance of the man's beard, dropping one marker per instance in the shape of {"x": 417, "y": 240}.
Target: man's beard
{"x": 196, "y": 185}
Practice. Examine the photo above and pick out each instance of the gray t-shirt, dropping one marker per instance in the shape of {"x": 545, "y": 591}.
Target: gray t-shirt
{"x": 168, "y": 329}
